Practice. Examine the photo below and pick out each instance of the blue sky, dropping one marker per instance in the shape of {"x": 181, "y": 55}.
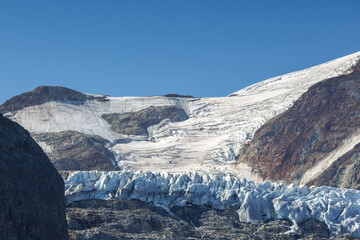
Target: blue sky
{"x": 140, "y": 48}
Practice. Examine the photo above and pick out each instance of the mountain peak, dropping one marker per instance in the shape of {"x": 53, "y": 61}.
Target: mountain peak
{"x": 40, "y": 95}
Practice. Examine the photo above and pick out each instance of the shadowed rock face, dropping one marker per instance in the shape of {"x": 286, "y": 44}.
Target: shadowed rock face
{"x": 31, "y": 190}
{"x": 71, "y": 150}
{"x": 318, "y": 123}
{"x": 136, "y": 123}
{"x": 45, "y": 94}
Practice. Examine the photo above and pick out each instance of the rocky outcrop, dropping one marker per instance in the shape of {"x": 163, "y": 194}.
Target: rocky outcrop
{"x": 71, "y": 150}
{"x": 318, "y": 124}
{"x": 99, "y": 219}
{"x": 122, "y": 219}
{"x": 177, "y": 95}
{"x": 45, "y": 94}
{"x": 344, "y": 173}
{"x": 31, "y": 190}
{"x": 136, "y": 123}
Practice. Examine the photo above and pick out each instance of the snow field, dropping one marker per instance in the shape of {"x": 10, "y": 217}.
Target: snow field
{"x": 209, "y": 141}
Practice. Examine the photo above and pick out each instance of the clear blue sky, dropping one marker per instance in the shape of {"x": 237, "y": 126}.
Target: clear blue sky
{"x": 151, "y": 47}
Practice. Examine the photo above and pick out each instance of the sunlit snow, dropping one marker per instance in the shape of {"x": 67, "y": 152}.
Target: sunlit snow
{"x": 208, "y": 141}
{"x": 194, "y": 161}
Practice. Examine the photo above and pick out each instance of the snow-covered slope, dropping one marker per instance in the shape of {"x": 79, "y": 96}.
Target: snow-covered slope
{"x": 339, "y": 209}
{"x": 208, "y": 141}
{"x": 191, "y": 160}
{"x": 315, "y": 140}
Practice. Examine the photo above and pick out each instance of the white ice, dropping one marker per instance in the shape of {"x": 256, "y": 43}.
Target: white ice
{"x": 206, "y": 144}
{"x": 209, "y": 141}
{"x": 339, "y": 209}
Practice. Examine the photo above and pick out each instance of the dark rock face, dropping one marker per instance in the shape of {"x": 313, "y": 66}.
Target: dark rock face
{"x": 123, "y": 219}
{"x": 72, "y": 151}
{"x": 291, "y": 143}
{"x": 31, "y": 190}
{"x": 45, "y": 94}
{"x": 136, "y": 123}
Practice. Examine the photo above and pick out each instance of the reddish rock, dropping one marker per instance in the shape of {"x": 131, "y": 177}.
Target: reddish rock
{"x": 292, "y": 142}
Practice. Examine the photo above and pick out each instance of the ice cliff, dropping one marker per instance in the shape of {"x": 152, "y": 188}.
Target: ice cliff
{"x": 339, "y": 209}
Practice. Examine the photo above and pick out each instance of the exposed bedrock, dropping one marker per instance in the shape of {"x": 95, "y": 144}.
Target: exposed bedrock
{"x": 136, "y": 123}
{"x": 124, "y": 219}
{"x": 45, "y": 94}
{"x": 322, "y": 124}
{"x": 344, "y": 173}
{"x": 71, "y": 150}
{"x": 31, "y": 190}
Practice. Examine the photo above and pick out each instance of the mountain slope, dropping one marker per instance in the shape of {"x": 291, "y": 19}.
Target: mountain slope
{"x": 206, "y": 136}
{"x": 187, "y": 149}
{"x": 321, "y": 126}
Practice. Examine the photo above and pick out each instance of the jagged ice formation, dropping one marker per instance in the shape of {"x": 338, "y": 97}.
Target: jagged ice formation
{"x": 338, "y": 208}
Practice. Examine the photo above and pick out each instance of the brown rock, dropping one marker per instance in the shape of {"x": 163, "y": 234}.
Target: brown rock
{"x": 344, "y": 172}
{"x": 291, "y": 143}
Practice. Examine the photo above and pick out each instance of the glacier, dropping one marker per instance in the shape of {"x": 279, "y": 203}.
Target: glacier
{"x": 207, "y": 142}
{"x": 193, "y": 162}
{"x": 338, "y": 208}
